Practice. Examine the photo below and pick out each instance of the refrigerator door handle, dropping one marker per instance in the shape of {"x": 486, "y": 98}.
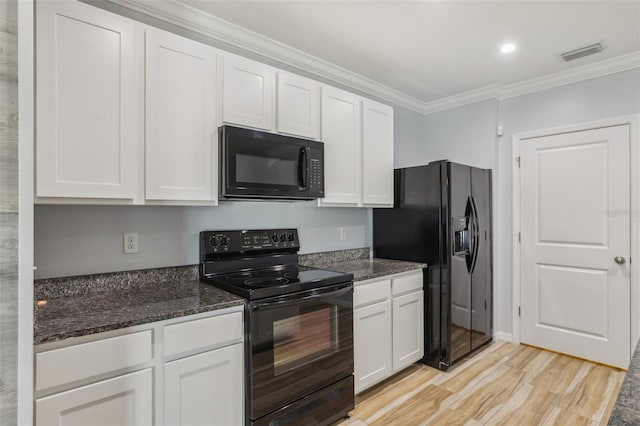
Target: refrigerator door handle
{"x": 475, "y": 228}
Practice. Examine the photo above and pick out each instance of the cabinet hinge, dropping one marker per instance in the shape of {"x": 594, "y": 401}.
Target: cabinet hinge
{"x": 518, "y": 161}
{"x": 485, "y": 305}
{"x": 518, "y": 310}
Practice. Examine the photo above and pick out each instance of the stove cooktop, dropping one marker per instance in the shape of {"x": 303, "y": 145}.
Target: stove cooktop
{"x": 276, "y": 281}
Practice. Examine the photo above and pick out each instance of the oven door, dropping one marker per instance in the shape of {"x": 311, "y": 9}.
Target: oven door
{"x": 263, "y": 165}
{"x": 299, "y": 344}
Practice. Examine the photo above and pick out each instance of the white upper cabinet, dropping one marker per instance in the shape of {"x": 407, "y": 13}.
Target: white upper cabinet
{"x": 88, "y": 87}
{"x": 298, "y": 106}
{"x": 377, "y": 154}
{"x": 181, "y": 134}
{"x": 247, "y": 98}
{"x": 342, "y": 137}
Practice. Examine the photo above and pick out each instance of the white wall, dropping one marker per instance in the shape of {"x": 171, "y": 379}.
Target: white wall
{"x": 596, "y": 99}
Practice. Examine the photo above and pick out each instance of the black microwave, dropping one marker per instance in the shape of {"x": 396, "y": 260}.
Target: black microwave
{"x": 255, "y": 164}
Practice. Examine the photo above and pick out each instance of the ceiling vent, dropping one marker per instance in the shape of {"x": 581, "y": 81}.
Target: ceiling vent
{"x": 583, "y": 51}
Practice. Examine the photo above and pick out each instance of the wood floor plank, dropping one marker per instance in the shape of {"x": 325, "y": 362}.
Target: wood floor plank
{"x": 416, "y": 409}
{"x": 504, "y": 384}
{"x": 385, "y": 396}
{"x": 558, "y": 375}
{"x": 586, "y": 398}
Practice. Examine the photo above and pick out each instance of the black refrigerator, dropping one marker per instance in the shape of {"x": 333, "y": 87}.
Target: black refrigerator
{"x": 442, "y": 217}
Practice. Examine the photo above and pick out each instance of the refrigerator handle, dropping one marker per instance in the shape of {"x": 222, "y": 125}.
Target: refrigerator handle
{"x": 475, "y": 228}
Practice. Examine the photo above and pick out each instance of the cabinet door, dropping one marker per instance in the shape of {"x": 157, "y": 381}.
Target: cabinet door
{"x": 342, "y": 137}
{"x": 408, "y": 326}
{"x": 88, "y": 91}
{"x": 247, "y": 93}
{"x": 180, "y": 118}
{"x": 205, "y": 389}
{"x": 377, "y": 155}
{"x": 372, "y": 342}
{"x": 298, "y": 106}
{"x": 123, "y": 400}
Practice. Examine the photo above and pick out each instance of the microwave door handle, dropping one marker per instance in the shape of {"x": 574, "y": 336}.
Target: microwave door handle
{"x": 303, "y": 167}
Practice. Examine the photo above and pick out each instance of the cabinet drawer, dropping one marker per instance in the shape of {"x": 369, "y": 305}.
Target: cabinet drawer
{"x": 406, "y": 283}
{"x": 66, "y": 365}
{"x": 377, "y": 291}
{"x": 202, "y": 333}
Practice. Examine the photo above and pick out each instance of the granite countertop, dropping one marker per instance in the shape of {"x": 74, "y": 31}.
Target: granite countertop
{"x": 59, "y": 316}
{"x": 627, "y": 408}
{"x": 364, "y": 269}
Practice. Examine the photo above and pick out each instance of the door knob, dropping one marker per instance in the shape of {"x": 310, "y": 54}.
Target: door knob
{"x": 620, "y": 260}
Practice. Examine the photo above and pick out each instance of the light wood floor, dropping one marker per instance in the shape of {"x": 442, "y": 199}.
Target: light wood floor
{"x": 505, "y": 384}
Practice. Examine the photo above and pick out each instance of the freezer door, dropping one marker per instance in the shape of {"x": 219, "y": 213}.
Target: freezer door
{"x": 460, "y": 214}
{"x": 481, "y": 273}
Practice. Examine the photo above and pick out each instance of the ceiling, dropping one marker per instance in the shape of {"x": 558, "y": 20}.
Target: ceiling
{"x": 434, "y": 49}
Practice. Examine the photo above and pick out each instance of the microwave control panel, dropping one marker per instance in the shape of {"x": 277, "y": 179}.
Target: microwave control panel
{"x": 315, "y": 184}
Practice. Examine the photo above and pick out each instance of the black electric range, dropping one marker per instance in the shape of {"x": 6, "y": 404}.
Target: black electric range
{"x": 298, "y": 325}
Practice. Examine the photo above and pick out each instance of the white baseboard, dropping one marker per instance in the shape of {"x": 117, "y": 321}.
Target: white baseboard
{"x": 503, "y": 336}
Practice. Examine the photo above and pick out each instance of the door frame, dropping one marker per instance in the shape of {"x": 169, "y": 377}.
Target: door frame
{"x": 634, "y": 152}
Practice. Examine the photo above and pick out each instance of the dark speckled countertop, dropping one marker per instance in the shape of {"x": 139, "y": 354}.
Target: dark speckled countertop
{"x": 71, "y": 315}
{"x": 627, "y": 408}
{"x": 364, "y": 269}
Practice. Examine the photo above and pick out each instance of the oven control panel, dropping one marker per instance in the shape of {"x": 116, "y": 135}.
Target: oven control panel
{"x": 222, "y": 242}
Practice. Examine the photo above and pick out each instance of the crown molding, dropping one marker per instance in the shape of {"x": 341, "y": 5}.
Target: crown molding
{"x": 464, "y": 98}
{"x": 195, "y": 20}
{"x": 573, "y": 75}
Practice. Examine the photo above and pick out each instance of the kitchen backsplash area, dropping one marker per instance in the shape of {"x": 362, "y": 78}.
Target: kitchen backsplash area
{"x": 80, "y": 240}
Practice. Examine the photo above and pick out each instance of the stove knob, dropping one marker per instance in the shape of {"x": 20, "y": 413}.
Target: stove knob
{"x": 224, "y": 240}
{"x": 290, "y": 236}
{"x": 213, "y": 241}
{"x": 283, "y": 237}
{"x": 274, "y": 237}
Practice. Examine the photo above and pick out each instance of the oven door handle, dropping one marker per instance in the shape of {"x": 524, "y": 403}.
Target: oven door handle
{"x": 304, "y": 297}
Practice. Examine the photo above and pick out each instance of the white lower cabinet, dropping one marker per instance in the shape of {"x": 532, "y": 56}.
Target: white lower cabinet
{"x": 408, "y": 326}
{"x": 185, "y": 371}
{"x": 123, "y": 400}
{"x": 388, "y": 326}
{"x": 205, "y": 389}
{"x": 372, "y": 343}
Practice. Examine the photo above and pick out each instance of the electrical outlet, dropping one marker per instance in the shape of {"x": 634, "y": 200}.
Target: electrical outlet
{"x": 343, "y": 233}
{"x": 130, "y": 240}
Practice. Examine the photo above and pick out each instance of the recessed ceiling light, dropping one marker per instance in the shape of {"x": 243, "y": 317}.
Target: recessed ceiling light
{"x": 507, "y": 48}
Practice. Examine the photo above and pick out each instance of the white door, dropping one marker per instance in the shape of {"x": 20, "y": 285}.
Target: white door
{"x": 342, "y": 137}
{"x": 408, "y": 336}
{"x": 248, "y": 88}
{"x": 574, "y": 223}
{"x": 125, "y": 400}
{"x": 298, "y": 106}
{"x": 88, "y": 90}
{"x": 205, "y": 389}
{"x": 372, "y": 344}
{"x": 181, "y": 148}
{"x": 377, "y": 154}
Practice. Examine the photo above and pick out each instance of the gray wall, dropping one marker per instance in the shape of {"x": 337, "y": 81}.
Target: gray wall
{"x": 467, "y": 134}
{"x": 77, "y": 240}
{"x": 464, "y": 135}
{"x": 8, "y": 211}
{"x": 596, "y": 99}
